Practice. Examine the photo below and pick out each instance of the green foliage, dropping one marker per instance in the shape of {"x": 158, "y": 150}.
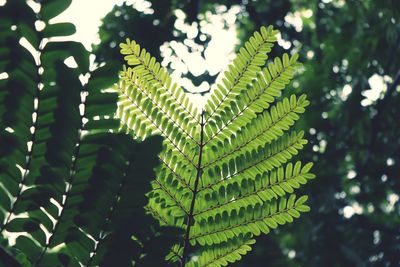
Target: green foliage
{"x": 119, "y": 25}
{"x": 71, "y": 191}
{"x": 343, "y": 44}
{"x": 226, "y": 174}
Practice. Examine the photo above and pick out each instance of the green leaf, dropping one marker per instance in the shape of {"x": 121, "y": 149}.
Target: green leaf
{"x": 52, "y": 8}
{"x": 29, "y": 33}
{"x": 59, "y": 29}
{"x": 62, "y": 50}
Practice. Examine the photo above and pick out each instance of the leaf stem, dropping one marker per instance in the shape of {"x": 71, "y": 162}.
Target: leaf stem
{"x": 29, "y": 152}
{"x": 189, "y": 222}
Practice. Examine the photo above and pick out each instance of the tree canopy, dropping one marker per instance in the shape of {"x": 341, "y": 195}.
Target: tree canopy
{"x": 351, "y": 75}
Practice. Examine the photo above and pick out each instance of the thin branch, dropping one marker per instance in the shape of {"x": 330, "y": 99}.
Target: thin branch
{"x": 190, "y": 217}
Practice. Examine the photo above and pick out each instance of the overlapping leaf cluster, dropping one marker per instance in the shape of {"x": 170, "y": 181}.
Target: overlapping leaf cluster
{"x": 226, "y": 174}
{"x": 71, "y": 192}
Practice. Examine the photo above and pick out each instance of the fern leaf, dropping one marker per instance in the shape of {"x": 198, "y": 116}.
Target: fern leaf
{"x": 268, "y": 185}
{"x": 139, "y": 116}
{"x": 251, "y": 163}
{"x": 215, "y": 228}
{"x": 253, "y": 99}
{"x": 225, "y": 177}
{"x": 224, "y": 253}
{"x": 261, "y": 130}
{"x": 148, "y": 69}
{"x": 243, "y": 69}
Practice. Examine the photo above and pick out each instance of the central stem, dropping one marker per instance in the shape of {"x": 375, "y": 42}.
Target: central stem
{"x": 189, "y": 221}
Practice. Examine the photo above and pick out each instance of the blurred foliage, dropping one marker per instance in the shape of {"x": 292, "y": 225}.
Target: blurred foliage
{"x": 153, "y": 29}
{"x": 71, "y": 192}
{"x": 355, "y": 212}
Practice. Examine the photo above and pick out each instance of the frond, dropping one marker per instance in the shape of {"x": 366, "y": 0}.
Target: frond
{"x": 259, "y": 160}
{"x": 265, "y": 187}
{"x": 224, "y": 253}
{"x": 241, "y": 72}
{"x": 225, "y": 177}
{"x": 149, "y": 103}
{"x": 263, "y": 129}
{"x": 215, "y": 228}
{"x": 146, "y": 68}
{"x": 253, "y": 99}
{"x": 144, "y": 118}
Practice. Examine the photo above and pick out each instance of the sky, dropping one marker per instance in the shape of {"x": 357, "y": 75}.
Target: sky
{"x": 86, "y": 18}
{"x": 87, "y": 15}
{"x": 219, "y": 53}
